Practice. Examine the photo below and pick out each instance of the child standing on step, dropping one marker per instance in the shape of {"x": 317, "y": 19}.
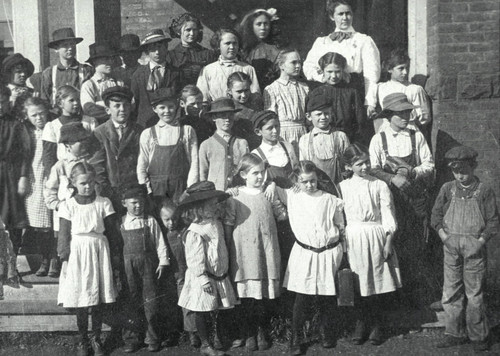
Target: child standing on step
{"x": 207, "y": 286}
{"x": 87, "y": 283}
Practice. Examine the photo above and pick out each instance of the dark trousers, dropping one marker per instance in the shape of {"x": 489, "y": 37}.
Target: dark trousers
{"x": 301, "y": 310}
{"x": 142, "y": 295}
{"x": 82, "y": 321}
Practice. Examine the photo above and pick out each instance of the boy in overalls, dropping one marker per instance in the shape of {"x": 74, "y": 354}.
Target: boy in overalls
{"x": 465, "y": 215}
{"x": 168, "y": 153}
{"x": 145, "y": 259}
{"x": 401, "y": 158}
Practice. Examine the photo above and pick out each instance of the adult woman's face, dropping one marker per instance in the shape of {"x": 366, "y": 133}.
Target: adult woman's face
{"x": 261, "y": 27}
{"x": 342, "y": 17}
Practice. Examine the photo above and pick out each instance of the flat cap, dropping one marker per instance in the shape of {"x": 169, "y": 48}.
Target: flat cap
{"x": 318, "y": 99}
{"x": 122, "y": 92}
{"x": 460, "y": 154}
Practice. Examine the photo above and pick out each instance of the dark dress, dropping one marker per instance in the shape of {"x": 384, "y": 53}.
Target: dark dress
{"x": 190, "y": 60}
{"x": 14, "y": 163}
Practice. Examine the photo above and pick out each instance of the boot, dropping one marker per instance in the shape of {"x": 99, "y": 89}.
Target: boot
{"x": 54, "y": 268}
{"x": 359, "y": 333}
{"x": 207, "y": 350}
{"x": 194, "y": 340}
{"x": 295, "y": 345}
{"x": 83, "y": 347}
{"x": 262, "y": 342}
{"x": 44, "y": 268}
{"x": 95, "y": 342}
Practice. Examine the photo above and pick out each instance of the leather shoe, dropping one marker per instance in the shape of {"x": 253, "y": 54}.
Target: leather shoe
{"x": 154, "y": 347}
{"x": 194, "y": 340}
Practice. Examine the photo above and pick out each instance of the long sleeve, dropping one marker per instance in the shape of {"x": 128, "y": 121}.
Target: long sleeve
{"x": 426, "y": 167}
{"x": 204, "y": 163}
{"x": 51, "y": 189}
{"x": 371, "y": 68}
{"x": 269, "y": 101}
{"x": 98, "y": 160}
{"x": 195, "y": 256}
{"x": 24, "y": 148}
{"x": 161, "y": 246}
{"x": 359, "y": 113}
{"x": 254, "y": 87}
{"x": 46, "y": 84}
{"x": 112, "y": 233}
{"x": 202, "y": 84}
{"x": 338, "y": 220}
{"x": 440, "y": 207}
{"x": 143, "y": 159}
{"x": 490, "y": 215}
{"x": 64, "y": 239}
{"x": 311, "y": 68}
{"x": 49, "y": 155}
{"x": 192, "y": 150}
{"x": 230, "y": 212}
{"x": 418, "y": 97}
{"x": 387, "y": 208}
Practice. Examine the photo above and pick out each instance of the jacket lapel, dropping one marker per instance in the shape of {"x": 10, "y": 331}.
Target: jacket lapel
{"x": 128, "y": 136}
{"x": 112, "y": 137}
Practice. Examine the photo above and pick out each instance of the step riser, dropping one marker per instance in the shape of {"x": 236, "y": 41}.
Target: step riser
{"x": 40, "y": 323}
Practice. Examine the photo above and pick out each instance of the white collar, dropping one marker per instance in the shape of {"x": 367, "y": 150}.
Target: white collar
{"x": 349, "y": 30}
{"x": 152, "y": 65}
{"x": 267, "y": 147}
{"x": 391, "y": 131}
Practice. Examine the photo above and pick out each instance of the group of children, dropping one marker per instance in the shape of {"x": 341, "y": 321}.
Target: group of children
{"x": 180, "y": 165}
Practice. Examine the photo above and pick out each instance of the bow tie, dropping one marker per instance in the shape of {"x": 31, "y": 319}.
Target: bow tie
{"x": 316, "y": 133}
{"x": 340, "y": 36}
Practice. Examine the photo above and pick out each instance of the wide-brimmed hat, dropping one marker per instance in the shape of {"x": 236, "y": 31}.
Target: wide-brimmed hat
{"x": 14, "y": 59}
{"x": 394, "y": 102}
{"x": 153, "y": 36}
{"x": 318, "y": 99}
{"x": 73, "y": 132}
{"x": 129, "y": 43}
{"x": 61, "y": 35}
{"x": 122, "y": 92}
{"x": 222, "y": 105}
{"x": 162, "y": 94}
{"x": 201, "y": 191}
{"x": 100, "y": 50}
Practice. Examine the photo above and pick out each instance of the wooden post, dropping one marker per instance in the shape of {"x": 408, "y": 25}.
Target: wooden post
{"x": 27, "y": 33}
{"x": 417, "y": 37}
{"x": 84, "y": 27}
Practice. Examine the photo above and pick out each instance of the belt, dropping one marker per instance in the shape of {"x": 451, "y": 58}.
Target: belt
{"x": 318, "y": 249}
{"x": 217, "y": 278}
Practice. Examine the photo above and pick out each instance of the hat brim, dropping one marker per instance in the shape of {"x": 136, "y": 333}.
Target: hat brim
{"x": 400, "y": 107}
{"x": 154, "y": 40}
{"x": 162, "y": 99}
{"x": 203, "y": 195}
{"x": 118, "y": 94}
{"x": 29, "y": 66}
{"x": 218, "y": 111}
{"x": 54, "y": 44}
{"x": 104, "y": 55}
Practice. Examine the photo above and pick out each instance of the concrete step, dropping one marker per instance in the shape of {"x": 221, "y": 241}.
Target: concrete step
{"x": 40, "y": 323}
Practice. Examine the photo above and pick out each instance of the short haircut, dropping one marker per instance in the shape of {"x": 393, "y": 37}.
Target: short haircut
{"x": 217, "y": 37}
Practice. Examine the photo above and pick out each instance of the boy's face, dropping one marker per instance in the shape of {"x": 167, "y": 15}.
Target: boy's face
{"x": 399, "y": 73}
{"x": 192, "y": 104}
{"x": 104, "y": 65}
{"x": 240, "y": 92}
{"x": 166, "y": 111}
{"x": 332, "y": 74}
{"x": 66, "y": 50}
{"x": 464, "y": 173}
{"x": 167, "y": 217}
{"x": 4, "y": 105}
{"x": 270, "y": 132}
{"x": 37, "y": 115}
{"x": 119, "y": 110}
{"x": 157, "y": 51}
{"x": 224, "y": 121}
{"x": 320, "y": 118}
{"x": 292, "y": 64}
{"x": 78, "y": 149}
{"x": 130, "y": 58}
{"x": 400, "y": 119}
{"x": 134, "y": 206}
{"x": 19, "y": 75}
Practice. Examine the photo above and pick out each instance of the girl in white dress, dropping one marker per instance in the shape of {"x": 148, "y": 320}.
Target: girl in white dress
{"x": 371, "y": 224}
{"x": 87, "y": 278}
{"x": 207, "y": 286}
{"x": 318, "y": 225}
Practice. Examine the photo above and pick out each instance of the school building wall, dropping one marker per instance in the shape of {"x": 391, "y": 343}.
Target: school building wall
{"x": 464, "y": 83}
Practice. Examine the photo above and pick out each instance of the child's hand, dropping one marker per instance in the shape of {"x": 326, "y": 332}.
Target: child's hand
{"x": 161, "y": 271}
{"x": 476, "y": 246}
{"x": 207, "y": 288}
{"x": 370, "y": 111}
{"x": 233, "y": 191}
{"x": 22, "y": 186}
{"x": 270, "y": 192}
{"x": 387, "y": 250}
{"x": 400, "y": 182}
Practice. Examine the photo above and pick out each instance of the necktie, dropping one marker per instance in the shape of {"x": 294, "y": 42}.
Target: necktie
{"x": 120, "y": 132}
{"x": 154, "y": 79}
{"x": 340, "y": 36}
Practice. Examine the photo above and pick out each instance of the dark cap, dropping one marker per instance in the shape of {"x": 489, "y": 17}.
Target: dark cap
{"x": 460, "y": 154}
{"x": 394, "y": 102}
{"x": 163, "y": 94}
{"x": 200, "y": 191}
{"x": 14, "y": 59}
{"x": 156, "y": 35}
{"x": 133, "y": 190}
{"x": 122, "y": 92}
{"x": 318, "y": 99}
{"x": 100, "y": 50}
{"x": 260, "y": 116}
{"x": 222, "y": 105}
{"x": 129, "y": 43}
{"x": 61, "y": 35}
{"x": 73, "y": 132}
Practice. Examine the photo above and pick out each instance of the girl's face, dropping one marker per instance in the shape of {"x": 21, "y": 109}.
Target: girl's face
{"x": 85, "y": 184}
{"x": 342, "y": 17}
{"x": 167, "y": 217}
{"x": 166, "y": 111}
{"x": 254, "y": 177}
{"x": 192, "y": 105}
{"x": 37, "y": 115}
{"x": 399, "y": 73}
{"x": 361, "y": 167}
{"x": 308, "y": 182}
{"x": 189, "y": 33}
{"x": 224, "y": 121}
{"x": 399, "y": 120}
{"x": 70, "y": 105}
{"x": 333, "y": 74}
{"x": 229, "y": 46}
{"x": 240, "y": 91}
{"x": 292, "y": 64}
{"x": 270, "y": 132}
{"x": 261, "y": 27}
{"x": 19, "y": 75}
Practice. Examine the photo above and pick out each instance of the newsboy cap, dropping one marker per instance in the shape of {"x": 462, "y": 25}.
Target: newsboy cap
{"x": 460, "y": 154}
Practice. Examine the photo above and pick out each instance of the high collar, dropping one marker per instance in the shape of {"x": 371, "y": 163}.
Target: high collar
{"x": 349, "y": 30}
{"x": 287, "y": 81}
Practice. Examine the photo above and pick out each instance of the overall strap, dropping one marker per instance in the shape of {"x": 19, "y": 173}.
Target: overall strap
{"x": 54, "y": 87}
{"x": 80, "y": 74}
{"x": 262, "y": 155}
{"x": 414, "y": 147}
{"x": 286, "y": 152}
{"x": 181, "y": 134}
{"x": 153, "y": 134}
{"x": 384, "y": 143}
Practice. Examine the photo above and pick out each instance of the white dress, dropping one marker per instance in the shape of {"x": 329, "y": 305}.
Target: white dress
{"x": 317, "y": 221}
{"x": 88, "y": 277}
{"x": 369, "y": 211}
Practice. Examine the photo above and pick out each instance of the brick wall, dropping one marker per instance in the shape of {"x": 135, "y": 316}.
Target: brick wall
{"x": 463, "y": 59}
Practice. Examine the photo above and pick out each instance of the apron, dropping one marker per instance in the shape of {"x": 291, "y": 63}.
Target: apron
{"x": 331, "y": 166}
{"x": 169, "y": 167}
{"x": 278, "y": 173}
{"x": 463, "y": 217}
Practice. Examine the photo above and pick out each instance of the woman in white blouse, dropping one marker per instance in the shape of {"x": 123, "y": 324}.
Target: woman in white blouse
{"x": 363, "y": 58}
